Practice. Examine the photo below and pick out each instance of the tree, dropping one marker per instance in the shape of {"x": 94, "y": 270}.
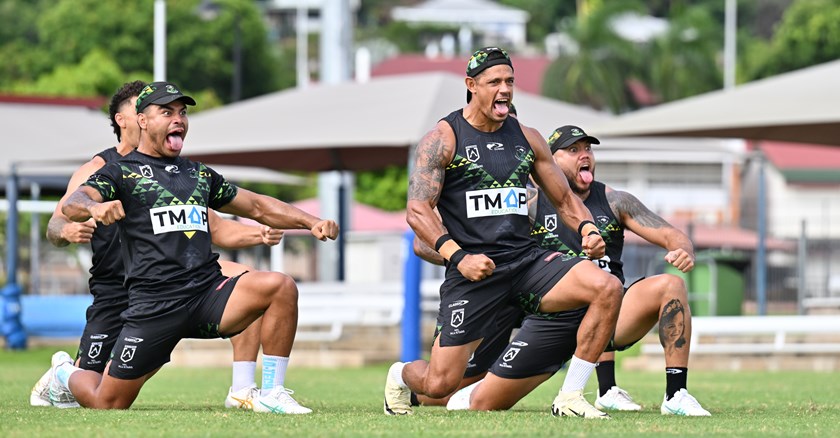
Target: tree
{"x": 386, "y": 189}
{"x": 593, "y": 72}
{"x": 199, "y": 53}
{"x": 808, "y": 34}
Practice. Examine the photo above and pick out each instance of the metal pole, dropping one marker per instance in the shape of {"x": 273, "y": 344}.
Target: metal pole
{"x": 236, "y": 85}
{"x": 761, "y": 257}
{"x": 302, "y": 55}
{"x": 729, "y": 43}
{"x": 160, "y": 40}
{"x": 800, "y": 267}
{"x": 35, "y": 245}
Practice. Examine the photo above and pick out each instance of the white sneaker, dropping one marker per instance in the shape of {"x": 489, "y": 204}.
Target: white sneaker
{"x": 682, "y": 403}
{"x": 397, "y": 397}
{"x": 242, "y": 399}
{"x": 616, "y": 399}
{"x": 460, "y": 401}
{"x": 40, "y": 395}
{"x": 279, "y": 401}
{"x": 572, "y": 404}
{"x": 60, "y": 395}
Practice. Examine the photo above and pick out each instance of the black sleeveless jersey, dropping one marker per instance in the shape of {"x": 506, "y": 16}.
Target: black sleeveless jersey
{"x": 107, "y": 271}
{"x": 483, "y": 202}
{"x": 551, "y": 233}
{"x": 165, "y": 237}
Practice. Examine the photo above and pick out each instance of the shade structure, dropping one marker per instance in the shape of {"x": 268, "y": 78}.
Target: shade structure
{"x": 800, "y": 106}
{"x": 349, "y": 126}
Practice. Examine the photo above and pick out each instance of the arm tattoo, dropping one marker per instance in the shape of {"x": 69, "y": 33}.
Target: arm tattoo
{"x": 623, "y": 203}
{"x": 54, "y": 228}
{"x": 672, "y": 325}
{"x": 426, "y": 178}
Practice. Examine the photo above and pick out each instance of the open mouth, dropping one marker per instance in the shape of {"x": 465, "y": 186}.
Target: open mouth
{"x": 585, "y": 174}
{"x": 501, "y": 107}
{"x": 175, "y": 140}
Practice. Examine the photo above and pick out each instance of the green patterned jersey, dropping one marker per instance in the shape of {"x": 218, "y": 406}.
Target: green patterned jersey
{"x": 483, "y": 202}
{"x": 165, "y": 237}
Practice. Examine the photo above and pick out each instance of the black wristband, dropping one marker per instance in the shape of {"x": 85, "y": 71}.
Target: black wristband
{"x": 441, "y": 240}
{"x": 582, "y": 224}
{"x": 594, "y": 232}
{"x": 457, "y": 256}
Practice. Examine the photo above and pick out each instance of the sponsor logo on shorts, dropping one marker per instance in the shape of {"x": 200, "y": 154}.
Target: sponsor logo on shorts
{"x": 457, "y": 318}
{"x": 472, "y": 153}
{"x": 95, "y": 349}
{"x": 128, "y": 353}
{"x": 551, "y": 222}
{"x": 519, "y": 343}
{"x": 99, "y": 336}
{"x": 497, "y": 202}
{"x": 178, "y": 218}
{"x": 458, "y": 303}
{"x": 133, "y": 340}
{"x": 509, "y": 356}
{"x": 146, "y": 171}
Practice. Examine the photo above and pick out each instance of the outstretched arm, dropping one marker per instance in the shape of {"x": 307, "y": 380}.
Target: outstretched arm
{"x": 231, "y": 234}
{"x": 61, "y": 231}
{"x": 640, "y": 220}
{"x": 278, "y": 214}
{"x": 570, "y": 208}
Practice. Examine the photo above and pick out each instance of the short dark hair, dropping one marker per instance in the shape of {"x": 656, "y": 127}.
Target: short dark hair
{"x": 121, "y": 96}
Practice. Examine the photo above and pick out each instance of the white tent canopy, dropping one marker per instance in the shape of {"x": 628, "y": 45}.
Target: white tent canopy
{"x": 800, "y": 106}
{"x": 349, "y": 126}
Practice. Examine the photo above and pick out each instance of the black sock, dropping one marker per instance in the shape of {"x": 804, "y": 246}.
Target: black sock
{"x": 606, "y": 376}
{"x": 675, "y": 380}
{"x": 414, "y": 401}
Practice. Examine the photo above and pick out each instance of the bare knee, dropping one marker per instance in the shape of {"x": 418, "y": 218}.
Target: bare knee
{"x": 607, "y": 290}
{"x": 440, "y": 386}
{"x": 284, "y": 288}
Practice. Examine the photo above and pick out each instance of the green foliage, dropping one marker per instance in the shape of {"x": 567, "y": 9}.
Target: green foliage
{"x": 58, "y": 39}
{"x": 413, "y": 38}
{"x": 285, "y": 193}
{"x": 545, "y": 15}
{"x": 595, "y": 74}
{"x": 808, "y": 34}
{"x": 386, "y": 189}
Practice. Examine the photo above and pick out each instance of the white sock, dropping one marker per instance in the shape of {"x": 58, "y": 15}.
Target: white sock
{"x": 577, "y": 375}
{"x": 397, "y": 374}
{"x": 274, "y": 372}
{"x": 63, "y": 373}
{"x": 243, "y": 374}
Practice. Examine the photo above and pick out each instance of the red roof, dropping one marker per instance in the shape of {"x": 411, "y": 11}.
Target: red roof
{"x": 720, "y": 236}
{"x": 529, "y": 70}
{"x": 799, "y": 156}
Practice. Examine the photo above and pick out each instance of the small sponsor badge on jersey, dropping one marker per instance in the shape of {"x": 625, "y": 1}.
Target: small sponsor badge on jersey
{"x": 497, "y": 202}
{"x": 178, "y": 218}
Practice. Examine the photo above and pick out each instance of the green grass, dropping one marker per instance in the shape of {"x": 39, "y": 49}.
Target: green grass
{"x": 348, "y": 402}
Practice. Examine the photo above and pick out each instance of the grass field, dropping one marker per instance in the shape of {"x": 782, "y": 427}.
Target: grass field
{"x": 348, "y": 402}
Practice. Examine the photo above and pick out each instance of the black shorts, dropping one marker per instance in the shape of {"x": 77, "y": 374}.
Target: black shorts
{"x": 102, "y": 329}
{"x": 151, "y": 330}
{"x": 541, "y": 346}
{"x": 469, "y": 310}
{"x": 492, "y": 346}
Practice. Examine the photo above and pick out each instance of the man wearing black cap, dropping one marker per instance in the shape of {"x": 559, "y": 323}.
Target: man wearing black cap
{"x": 661, "y": 298}
{"x": 176, "y": 290}
{"x": 110, "y": 297}
{"x": 474, "y": 167}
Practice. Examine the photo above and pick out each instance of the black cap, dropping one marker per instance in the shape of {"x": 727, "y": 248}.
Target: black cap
{"x": 483, "y": 59}
{"x": 567, "y": 135}
{"x": 160, "y": 93}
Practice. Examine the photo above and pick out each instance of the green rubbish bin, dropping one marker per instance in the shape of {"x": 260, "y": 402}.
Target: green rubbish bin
{"x": 716, "y": 284}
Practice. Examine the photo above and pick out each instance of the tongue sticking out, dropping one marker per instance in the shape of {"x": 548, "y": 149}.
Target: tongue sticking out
{"x": 586, "y": 176}
{"x": 174, "y": 142}
{"x": 501, "y": 109}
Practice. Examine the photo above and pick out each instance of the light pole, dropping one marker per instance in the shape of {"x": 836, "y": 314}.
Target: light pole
{"x": 209, "y": 10}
